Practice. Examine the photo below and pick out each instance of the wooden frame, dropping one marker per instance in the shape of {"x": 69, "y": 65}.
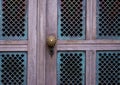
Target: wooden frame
{"x": 94, "y": 19}
{"x": 42, "y": 21}
{"x": 64, "y": 44}
{"x": 35, "y": 45}
{"x": 26, "y": 45}
{"x": 32, "y": 20}
{"x": 50, "y": 77}
{"x": 90, "y": 45}
{"x": 89, "y": 20}
{"x": 41, "y": 41}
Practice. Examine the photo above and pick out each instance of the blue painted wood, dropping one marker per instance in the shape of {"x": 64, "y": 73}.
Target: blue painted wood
{"x": 108, "y": 68}
{"x": 79, "y": 33}
{"x": 13, "y": 68}
{"x": 107, "y": 20}
{"x": 71, "y": 68}
{"x": 15, "y": 23}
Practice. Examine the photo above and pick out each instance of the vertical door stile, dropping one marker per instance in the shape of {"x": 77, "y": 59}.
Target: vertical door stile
{"x": 32, "y": 42}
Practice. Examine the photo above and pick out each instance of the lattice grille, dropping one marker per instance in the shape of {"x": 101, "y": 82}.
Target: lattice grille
{"x": 70, "y": 68}
{"x": 13, "y": 19}
{"x": 13, "y": 68}
{"x": 108, "y": 68}
{"x": 71, "y": 19}
{"x": 108, "y": 19}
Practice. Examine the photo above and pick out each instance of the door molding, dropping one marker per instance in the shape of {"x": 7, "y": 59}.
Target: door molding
{"x": 32, "y": 20}
{"x": 41, "y": 41}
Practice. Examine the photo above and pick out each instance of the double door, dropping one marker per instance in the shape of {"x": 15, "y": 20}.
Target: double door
{"x": 87, "y": 49}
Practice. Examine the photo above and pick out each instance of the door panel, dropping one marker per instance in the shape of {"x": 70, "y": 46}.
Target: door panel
{"x": 13, "y": 68}
{"x": 71, "y": 67}
{"x": 14, "y": 22}
{"x": 108, "y": 26}
{"x": 18, "y": 42}
{"x": 108, "y": 67}
{"x": 88, "y": 34}
{"x": 71, "y": 19}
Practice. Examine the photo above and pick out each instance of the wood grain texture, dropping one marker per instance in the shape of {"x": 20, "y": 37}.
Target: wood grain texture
{"x": 41, "y": 41}
{"x": 13, "y": 48}
{"x": 88, "y": 47}
{"x": 88, "y": 56}
{"x": 79, "y": 42}
{"x": 93, "y": 68}
{"x": 51, "y": 29}
{"x": 89, "y": 19}
{"x": 94, "y": 19}
{"x": 13, "y": 42}
{"x": 32, "y": 13}
{"x": 26, "y": 45}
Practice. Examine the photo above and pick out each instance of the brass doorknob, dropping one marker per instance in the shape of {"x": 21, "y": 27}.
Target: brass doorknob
{"x": 51, "y": 41}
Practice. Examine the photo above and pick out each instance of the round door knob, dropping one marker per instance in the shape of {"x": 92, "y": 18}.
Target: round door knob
{"x": 51, "y": 41}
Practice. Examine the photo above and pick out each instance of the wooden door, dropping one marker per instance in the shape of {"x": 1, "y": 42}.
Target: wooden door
{"x": 87, "y": 51}
{"x": 18, "y": 42}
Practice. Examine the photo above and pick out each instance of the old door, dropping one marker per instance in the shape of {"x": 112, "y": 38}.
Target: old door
{"x": 18, "y": 42}
{"x": 87, "y": 51}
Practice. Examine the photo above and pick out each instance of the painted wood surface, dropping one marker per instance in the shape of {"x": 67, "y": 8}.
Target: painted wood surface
{"x": 28, "y": 46}
{"x": 90, "y": 45}
{"x": 43, "y": 22}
